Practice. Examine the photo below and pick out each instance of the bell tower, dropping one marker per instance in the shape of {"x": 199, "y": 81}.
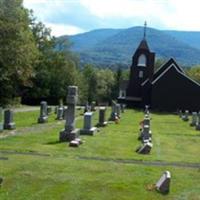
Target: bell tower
{"x": 142, "y": 68}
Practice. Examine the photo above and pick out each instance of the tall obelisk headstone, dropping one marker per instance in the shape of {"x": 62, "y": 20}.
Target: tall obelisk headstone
{"x": 70, "y": 132}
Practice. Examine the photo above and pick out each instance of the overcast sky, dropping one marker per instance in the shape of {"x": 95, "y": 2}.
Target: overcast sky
{"x": 67, "y": 17}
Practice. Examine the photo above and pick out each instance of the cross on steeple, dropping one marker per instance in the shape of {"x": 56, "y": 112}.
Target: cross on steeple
{"x": 145, "y": 27}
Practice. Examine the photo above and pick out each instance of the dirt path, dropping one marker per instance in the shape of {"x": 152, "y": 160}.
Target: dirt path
{"x": 142, "y": 162}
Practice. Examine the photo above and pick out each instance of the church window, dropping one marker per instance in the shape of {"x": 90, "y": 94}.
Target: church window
{"x": 142, "y": 60}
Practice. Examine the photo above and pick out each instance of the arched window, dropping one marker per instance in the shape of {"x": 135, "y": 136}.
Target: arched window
{"x": 142, "y": 60}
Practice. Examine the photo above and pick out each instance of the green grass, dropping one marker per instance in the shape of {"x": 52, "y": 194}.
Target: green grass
{"x": 63, "y": 175}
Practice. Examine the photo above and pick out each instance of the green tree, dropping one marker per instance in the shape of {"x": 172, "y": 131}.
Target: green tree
{"x": 194, "y": 73}
{"x": 18, "y": 51}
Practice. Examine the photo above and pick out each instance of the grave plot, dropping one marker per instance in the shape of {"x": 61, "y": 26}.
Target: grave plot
{"x": 105, "y": 166}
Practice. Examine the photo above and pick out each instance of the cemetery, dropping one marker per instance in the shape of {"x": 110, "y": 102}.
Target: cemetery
{"x": 45, "y": 161}
{"x": 76, "y": 124}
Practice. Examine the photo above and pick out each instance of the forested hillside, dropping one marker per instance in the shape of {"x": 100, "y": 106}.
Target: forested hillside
{"x": 105, "y": 47}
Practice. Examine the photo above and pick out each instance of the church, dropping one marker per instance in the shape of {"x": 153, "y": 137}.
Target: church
{"x": 166, "y": 89}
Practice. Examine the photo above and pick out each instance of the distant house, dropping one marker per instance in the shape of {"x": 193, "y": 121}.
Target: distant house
{"x": 167, "y": 89}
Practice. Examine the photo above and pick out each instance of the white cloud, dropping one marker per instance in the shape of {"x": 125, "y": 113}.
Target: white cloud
{"x": 163, "y": 14}
{"x": 63, "y": 29}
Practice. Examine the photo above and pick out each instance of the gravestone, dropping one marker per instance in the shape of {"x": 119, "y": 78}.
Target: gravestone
{"x": 180, "y": 113}
{"x": 75, "y": 143}
{"x": 163, "y": 185}
{"x": 43, "y": 112}
{"x": 113, "y": 112}
{"x": 146, "y": 110}
{"x": 1, "y": 119}
{"x": 60, "y": 113}
{"x": 194, "y": 119}
{"x": 102, "y": 116}
{"x": 145, "y": 148}
{"x": 118, "y": 110}
{"x": 93, "y": 104}
{"x": 87, "y": 127}
{"x": 70, "y": 132}
{"x": 146, "y": 133}
{"x": 198, "y": 122}
{"x": 146, "y": 121}
{"x": 87, "y": 108}
{"x": 8, "y": 120}
{"x": 122, "y": 107}
{"x": 185, "y": 116}
{"x": 49, "y": 110}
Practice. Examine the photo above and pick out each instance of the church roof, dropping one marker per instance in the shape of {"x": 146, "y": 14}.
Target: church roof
{"x": 143, "y": 45}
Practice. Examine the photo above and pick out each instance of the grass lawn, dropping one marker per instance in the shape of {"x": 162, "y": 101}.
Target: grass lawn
{"x": 38, "y": 167}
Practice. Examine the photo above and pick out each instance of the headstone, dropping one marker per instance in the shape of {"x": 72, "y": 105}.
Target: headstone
{"x": 8, "y": 120}
{"x": 145, "y": 148}
{"x": 122, "y": 107}
{"x": 113, "y": 112}
{"x": 118, "y": 110}
{"x": 60, "y": 113}
{"x": 75, "y": 143}
{"x": 1, "y": 119}
{"x": 163, "y": 185}
{"x": 87, "y": 127}
{"x": 43, "y": 112}
{"x": 70, "y": 132}
{"x": 49, "y": 110}
{"x": 93, "y": 104}
{"x": 146, "y": 134}
{"x": 87, "y": 108}
{"x": 146, "y": 111}
{"x": 146, "y": 121}
{"x": 198, "y": 122}
{"x": 180, "y": 113}
{"x": 194, "y": 119}
{"x": 185, "y": 116}
{"x": 102, "y": 116}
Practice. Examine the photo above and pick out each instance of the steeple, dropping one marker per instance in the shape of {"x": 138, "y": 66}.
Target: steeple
{"x": 145, "y": 29}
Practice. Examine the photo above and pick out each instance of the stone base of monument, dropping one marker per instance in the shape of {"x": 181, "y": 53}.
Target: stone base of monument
{"x": 91, "y": 131}
{"x": 10, "y": 126}
{"x": 66, "y": 136}
{"x": 102, "y": 124}
{"x": 75, "y": 143}
{"x": 43, "y": 119}
{"x": 145, "y": 148}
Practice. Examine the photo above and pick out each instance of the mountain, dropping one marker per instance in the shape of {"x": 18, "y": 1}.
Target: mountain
{"x": 106, "y": 47}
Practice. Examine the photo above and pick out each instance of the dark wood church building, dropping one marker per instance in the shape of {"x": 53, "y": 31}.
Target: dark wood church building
{"x": 166, "y": 89}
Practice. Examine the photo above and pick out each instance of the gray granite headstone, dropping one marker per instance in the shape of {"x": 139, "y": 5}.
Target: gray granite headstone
{"x": 49, "y": 110}
{"x": 145, "y": 148}
{"x": 87, "y": 127}
{"x": 102, "y": 116}
{"x": 198, "y": 122}
{"x": 43, "y": 112}
{"x": 8, "y": 120}
{"x": 163, "y": 184}
{"x": 60, "y": 113}
{"x": 70, "y": 132}
{"x": 146, "y": 121}
{"x": 113, "y": 112}
{"x": 185, "y": 116}
{"x": 118, "y": 110}
{"x": 1, "y": 119}
{"x": 194, "y": 119}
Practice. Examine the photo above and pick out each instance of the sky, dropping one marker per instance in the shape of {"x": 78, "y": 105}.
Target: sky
{"x": 69, "y": 17}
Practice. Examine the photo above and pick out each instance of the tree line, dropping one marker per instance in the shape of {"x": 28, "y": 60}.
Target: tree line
{"x": 35, "y": 66}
